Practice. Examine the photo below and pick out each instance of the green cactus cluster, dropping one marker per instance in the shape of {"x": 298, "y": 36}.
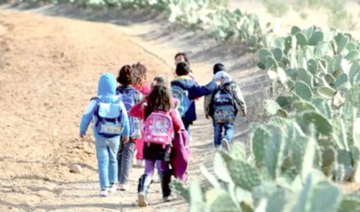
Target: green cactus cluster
{"x": 285, "y": 175}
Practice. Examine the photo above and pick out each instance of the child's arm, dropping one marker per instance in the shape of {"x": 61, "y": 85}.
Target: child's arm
{"x": 137, "y": 110}
{"x": 198, "y": 91}
{"x": 146, "y": 88}
{"x": 87, "y": 117}
{"x": 126, "y": 128}
{"x": 207, "y": 102}
{"x": 239, "y": 98}
{"x": 176, "y": 119}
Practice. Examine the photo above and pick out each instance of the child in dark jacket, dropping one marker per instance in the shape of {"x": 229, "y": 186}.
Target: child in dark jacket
{"x": 161, "y": 121}
{"x": 186, "y": 90}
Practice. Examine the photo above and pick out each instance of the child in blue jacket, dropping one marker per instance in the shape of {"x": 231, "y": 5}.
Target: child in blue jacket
{"x": 183, "y": 83}
{"x": 111, "y": 122}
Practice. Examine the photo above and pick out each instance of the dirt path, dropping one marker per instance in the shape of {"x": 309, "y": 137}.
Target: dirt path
{"x": 49, "y": 70}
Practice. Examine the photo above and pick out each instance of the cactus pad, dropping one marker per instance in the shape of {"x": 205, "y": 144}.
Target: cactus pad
{"x": 322, "y": 124}
{"x": 303, "y": 90}
{"x": 301, "y": 39}
{"x": 259, "y": 139}
{"x": 341, "y": 81}
{"x": 306, "y": 77}
{"x": 352, "y": 55}
{"x": 323, "y": 107}
{"x": 220, "y": 200}
{"x": 326, "y": 92}
{"x": 271, "y": 107}
{"x": 303, "y": 105}
{"x": 278, "y": 55}
{"x": 244, "y": 175}
{"x": 316, "y": 38}
{"x": 312, "y": 66}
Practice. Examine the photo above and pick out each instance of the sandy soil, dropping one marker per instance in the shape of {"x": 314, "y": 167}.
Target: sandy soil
{"x": 49, "y": 71}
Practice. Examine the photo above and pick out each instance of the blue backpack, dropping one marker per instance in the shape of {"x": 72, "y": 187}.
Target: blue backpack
{"x": 127, "y": 95}
{"x": 183, "y": 97}
{"x": 108, "y": 118}
{"x": 224, "y": 105}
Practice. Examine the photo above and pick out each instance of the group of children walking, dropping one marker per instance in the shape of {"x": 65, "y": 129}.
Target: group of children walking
{"x": 154, "y": 119}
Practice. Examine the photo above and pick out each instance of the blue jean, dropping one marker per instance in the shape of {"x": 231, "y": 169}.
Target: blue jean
{"x": 228, "y": 132}
{"x": 158, "y": 167}
{"x": 106, "y": 153}
{"x": 187, "y": 128}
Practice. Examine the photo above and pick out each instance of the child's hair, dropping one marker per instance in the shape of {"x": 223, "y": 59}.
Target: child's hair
{"x": 182, "y": 68}
{"x": 183, "y": 54}
{"x": 218, "y": 67}
{"x": 160, "y": 79}
{"x": 139, "y": 73}
{"x": 125, "y": 76}
{"x": 160, "y": 98}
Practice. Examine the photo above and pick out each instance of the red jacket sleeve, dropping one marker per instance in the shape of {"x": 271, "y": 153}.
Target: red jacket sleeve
{"x": 176, "y": 119}
{"x": 138, "y": 110}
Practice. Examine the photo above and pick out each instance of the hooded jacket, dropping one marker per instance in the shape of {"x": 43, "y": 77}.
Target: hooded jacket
{"x": 107, "y": 94}
{"x": 195, "y": 91}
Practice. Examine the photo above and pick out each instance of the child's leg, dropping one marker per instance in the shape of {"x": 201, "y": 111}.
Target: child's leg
{"x": 165, "y": 180}
{"x": 217, "y": 134}
{"x": 119, "y": 157}
{"x": 102, "y": 156}
{"x": 145, "y": 181}
{"x": 158, "y": 167}
{"x": 187, "y": 128}
{"x": 113, "y": 153}
{"x": 126, "y": 164}
{"x": 140, "y": 149}
{"x": 229, "y": 131}
{"x": 149, "y": 167}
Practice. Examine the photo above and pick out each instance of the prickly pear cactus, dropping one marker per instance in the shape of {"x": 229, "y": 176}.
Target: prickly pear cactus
{"x": 323, "y": 107}
{"x": 341, "y": 81}
{"x": 259, "y": 139}
{"x": 244, "y": 175}
{"x": 350, "y": 202}
{"x": 316, "y": 38}
{"x": 322, "y": 124}
{"x": 326, "y": 92}
{"x": 306, "y": 77}
{"x": 303, "y": 90}
{"x": 220, "y": 200}
{"x": 271, "y": 107}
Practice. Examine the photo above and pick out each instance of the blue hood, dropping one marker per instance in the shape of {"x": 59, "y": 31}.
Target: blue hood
{"x": 107, "y": 85}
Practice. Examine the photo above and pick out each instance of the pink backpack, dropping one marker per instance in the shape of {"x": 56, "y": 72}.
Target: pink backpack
{"x": 158, "y": 129}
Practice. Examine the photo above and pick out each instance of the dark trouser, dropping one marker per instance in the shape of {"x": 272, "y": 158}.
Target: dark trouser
{"x": 125, "y": 157}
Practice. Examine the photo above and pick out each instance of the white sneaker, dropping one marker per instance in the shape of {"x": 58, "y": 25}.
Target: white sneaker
{"x": 225, "y": 145}
{"x": 104, "y": 192}
{"x": 124, "y": 187}
{"x": 112, "y": 189}
{"x": 139, "y": 163}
